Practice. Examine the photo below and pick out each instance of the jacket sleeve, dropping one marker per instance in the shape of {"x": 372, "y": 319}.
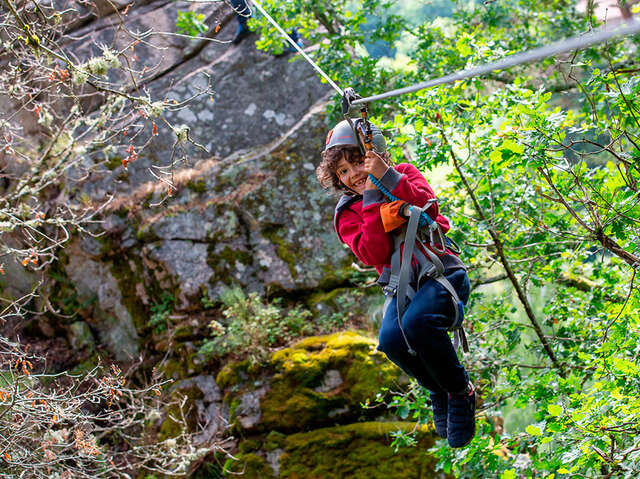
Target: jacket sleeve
{"x": 364, "y": 233}
{"x": 407, "y": 183}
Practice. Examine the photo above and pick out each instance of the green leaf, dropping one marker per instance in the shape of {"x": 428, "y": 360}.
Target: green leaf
{"x": 625, "y": 366}
{"x": 554, "y": 410}
{"x": 496, "y": 156}
{"x": 191, "y": 23}
{"x": 509, "y": 474}
{"x": 533, "y": 430}
{"x": 511, "y": 145}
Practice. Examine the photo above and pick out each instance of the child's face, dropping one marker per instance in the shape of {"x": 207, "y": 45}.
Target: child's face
{"x": 352, "y": 175}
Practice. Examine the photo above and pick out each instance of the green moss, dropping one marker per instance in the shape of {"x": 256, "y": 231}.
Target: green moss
{"x": 181, "y": 367}
{"x": 249, "y": 445}
{"x": 120, "y": 269}
{"x": 183, "y": 332}
{"x": 199, "y": 186}
{"x": 250, "y": 466}
{"x": 145, "y": 234}
{"x": 367, "y": 374}
{"x": 232, "y": 373}
{"x": 232, "y": 409}
{"x": 356, "y": 451}
{"x": 173, "y": 425}
{"x": 323, "y": 297}
{"x": 172, "y": 369}
{"x": 295, "y": 399}
{"x": 112, "y": 162}
{"x": 290, "y": 408}
{"x": 63, "y": 293}
{"x": 211, "y": 470}
{"x": 274, "y": 440}
{"x": 224, "y": 262}
{"x": 294, "y": 402}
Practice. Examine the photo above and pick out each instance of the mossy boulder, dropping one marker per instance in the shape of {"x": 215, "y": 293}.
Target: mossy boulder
{"x": 317, "y": 382}
{"x": 249, "y": 465}
{"x": 357, "y": 451}
{"x": 353, "y": 451}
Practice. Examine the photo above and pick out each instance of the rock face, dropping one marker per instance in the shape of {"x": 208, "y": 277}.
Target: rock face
{"x": 248, "y": 211}
{"x": 95, "y": 284}
{"x": 257, "y": 220}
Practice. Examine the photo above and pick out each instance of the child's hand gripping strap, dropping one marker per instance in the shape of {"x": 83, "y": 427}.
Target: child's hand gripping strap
{"x": 391, "y": 215}
{"x": 437, "y": 240}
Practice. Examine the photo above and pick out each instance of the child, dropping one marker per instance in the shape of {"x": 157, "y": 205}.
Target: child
{"x": 421, "y": 347}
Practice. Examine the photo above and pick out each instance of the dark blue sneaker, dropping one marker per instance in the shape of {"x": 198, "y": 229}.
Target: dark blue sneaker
{"x": 462, "y": 418}
{"x": 440, "y": 406}
{"x": 241, "y": 34}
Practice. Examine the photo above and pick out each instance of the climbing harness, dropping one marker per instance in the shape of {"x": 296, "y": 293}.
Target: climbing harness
{"x": 432, "y": 267}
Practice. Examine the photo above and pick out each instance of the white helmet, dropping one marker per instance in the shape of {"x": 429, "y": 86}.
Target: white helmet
{"x": 343, "y": 135}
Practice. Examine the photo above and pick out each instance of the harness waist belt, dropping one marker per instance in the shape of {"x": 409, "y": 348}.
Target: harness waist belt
{"x": 449, "y": 261}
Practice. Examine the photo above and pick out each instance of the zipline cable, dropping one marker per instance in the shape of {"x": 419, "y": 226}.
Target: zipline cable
{"x": 562, "y": 46}
{"x": 297, "y": 47}
{"x": 568, "y": 44}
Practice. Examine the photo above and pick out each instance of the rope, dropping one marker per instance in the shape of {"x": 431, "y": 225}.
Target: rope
{"x": 297, "y": 47}
{"x": 562, "y": 46}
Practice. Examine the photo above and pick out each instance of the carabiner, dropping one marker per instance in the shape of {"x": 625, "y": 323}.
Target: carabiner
{"x": 443, "y": 241}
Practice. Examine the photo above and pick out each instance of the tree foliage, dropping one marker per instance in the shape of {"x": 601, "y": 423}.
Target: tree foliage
{"x": 544, "y": 169}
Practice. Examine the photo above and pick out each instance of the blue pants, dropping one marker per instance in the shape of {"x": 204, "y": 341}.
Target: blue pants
{"x": 425, "y": 322}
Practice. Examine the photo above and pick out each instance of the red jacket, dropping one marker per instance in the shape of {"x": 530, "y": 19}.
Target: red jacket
{"x": 359, "y": 224}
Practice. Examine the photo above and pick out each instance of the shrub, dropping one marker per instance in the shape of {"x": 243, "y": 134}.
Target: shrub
{"x": 254, "y": 326}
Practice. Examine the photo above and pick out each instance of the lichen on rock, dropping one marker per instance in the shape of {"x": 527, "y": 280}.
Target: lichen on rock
{"x": 315, "y": 382}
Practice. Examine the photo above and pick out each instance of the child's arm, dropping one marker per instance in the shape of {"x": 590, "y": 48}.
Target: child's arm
{"x": 407, "y": 183}
{"x": 364, "y": 232}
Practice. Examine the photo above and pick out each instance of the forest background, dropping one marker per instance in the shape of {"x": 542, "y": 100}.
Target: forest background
{"x": 537, "y": 167}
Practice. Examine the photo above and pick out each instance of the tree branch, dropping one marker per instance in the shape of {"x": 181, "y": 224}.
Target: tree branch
{"x": 499, "y": 248}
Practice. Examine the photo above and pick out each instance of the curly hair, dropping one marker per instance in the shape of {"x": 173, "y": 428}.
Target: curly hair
{"x": 326, "y": 170}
